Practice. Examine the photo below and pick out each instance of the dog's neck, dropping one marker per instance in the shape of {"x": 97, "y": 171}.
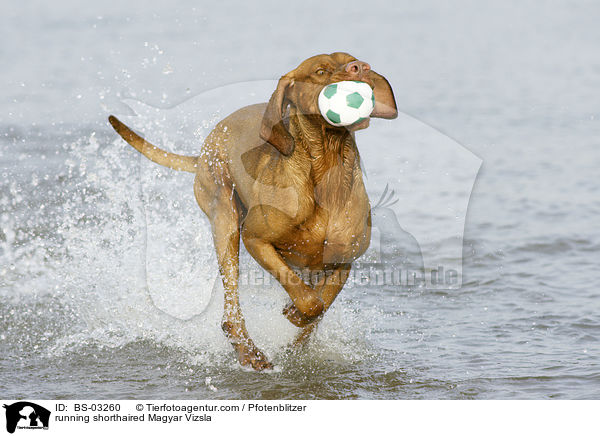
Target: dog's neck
{"x": 333, "y": 156}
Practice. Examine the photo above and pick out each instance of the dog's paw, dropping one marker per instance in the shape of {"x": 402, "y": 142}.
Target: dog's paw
{"x": 296, "y": 317}
{"x": 252, "y": 356}
{"x": 310, "y": 305}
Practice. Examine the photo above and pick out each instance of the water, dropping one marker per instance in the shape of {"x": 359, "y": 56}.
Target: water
{"x": 81, "y": 315}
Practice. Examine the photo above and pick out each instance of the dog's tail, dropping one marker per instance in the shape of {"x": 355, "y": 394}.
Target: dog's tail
{"x": 155, "y": 154}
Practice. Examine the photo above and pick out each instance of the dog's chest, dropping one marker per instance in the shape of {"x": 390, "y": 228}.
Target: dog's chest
{"x": 332, "y": 233}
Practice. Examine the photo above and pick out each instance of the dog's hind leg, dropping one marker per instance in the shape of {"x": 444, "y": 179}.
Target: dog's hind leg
{"x": 224, "y": 214}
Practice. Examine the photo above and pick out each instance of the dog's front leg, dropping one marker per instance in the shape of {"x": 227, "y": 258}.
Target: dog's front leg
{"x": 304, "y": 298}
{"x": 226, "y": 236}
{"x": 328, "y": 287}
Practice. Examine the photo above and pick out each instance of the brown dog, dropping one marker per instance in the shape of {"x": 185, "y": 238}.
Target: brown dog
{"x": 291, "y": 185}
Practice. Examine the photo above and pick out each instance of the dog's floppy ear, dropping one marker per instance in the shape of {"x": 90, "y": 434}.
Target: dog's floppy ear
{"x": 273, "y": 129}
{"x": 385, "y": 104}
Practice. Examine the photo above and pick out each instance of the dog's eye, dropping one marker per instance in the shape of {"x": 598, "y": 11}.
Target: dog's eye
{"x": 321, "y": 71}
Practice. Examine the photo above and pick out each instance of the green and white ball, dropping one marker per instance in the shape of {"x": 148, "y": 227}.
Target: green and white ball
{"x": 346, "y": 103}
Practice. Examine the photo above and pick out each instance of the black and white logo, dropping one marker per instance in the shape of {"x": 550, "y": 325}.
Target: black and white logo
{"x": 26, "y": 415}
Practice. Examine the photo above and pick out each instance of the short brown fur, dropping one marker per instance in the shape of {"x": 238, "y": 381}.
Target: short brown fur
{"x": 290, "y": 186}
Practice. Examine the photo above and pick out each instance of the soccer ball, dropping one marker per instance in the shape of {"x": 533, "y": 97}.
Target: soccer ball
{"x": 346, "y": 103}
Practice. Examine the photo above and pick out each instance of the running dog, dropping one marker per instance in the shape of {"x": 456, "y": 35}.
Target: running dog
{"x": 290, "y": 185}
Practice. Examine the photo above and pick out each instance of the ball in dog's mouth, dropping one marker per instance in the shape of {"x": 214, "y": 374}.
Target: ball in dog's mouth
{"x": 347, "y": 103}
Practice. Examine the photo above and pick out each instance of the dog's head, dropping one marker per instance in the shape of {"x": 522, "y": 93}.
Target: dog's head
{"x": 301, "y": 87}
